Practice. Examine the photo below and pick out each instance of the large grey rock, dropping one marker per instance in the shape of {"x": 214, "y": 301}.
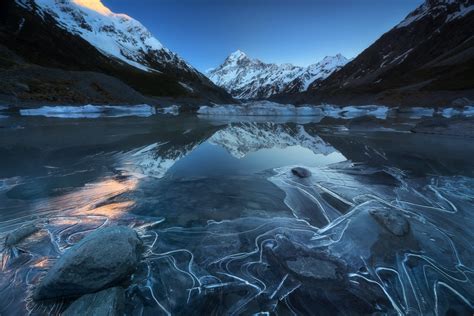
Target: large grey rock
{"x": 301, "y": 172}
{"x": 16, "y": 236}
{"x": 102, "y": 259}
{"x": 109, "y": 302}
{"x": 391, "y": 220}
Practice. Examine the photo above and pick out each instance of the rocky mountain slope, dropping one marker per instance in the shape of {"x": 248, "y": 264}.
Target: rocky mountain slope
{"x": 247, "y": 78}
{"x": 427, "y": 59}
{"x": 84, "y": 35}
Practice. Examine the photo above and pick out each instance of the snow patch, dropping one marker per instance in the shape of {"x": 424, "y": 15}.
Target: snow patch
{"x": 186, "y": 86}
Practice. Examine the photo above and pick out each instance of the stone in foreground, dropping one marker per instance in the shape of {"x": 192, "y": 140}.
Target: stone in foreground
{"x": 16, "y": 236}
{"x": 109, "y": 302}
{"x": 301, "y": 172}
{"x": 102, "y": 259}
{"x": 393, "y": 221}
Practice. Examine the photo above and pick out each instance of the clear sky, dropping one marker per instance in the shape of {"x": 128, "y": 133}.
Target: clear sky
{"x": 205, "y": 32}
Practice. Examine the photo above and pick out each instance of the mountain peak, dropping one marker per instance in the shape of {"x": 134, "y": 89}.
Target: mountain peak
{"x": 337, "y": 57}
{"x": 248, "y": 78}
{"x": 448, "y": 10}
{"x": 237, "y": 55}
{"x": 94, "y": 5}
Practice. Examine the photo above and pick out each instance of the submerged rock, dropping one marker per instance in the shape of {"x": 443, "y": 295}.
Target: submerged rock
{"x": 313, "y": 268}
{"x": 109, "y": 302}
{"x": 301, "y": 172}
{"x": 21, "y": 233}
{"x": 102, "y": 259}
{"x": 391, "y": 220}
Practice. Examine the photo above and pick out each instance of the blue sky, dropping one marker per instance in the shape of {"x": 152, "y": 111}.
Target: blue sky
{"x": 205, "y": 32}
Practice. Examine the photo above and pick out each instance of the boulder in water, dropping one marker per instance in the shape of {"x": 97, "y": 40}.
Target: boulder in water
{"x": 301, "y": 172}
{"x": 102, "y": 259}
{"x": 16, "y": 236}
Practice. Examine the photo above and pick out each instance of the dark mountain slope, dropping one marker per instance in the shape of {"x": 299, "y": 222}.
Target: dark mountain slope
{"x": 428, "y": 59}
{"x": 39, "y": 39}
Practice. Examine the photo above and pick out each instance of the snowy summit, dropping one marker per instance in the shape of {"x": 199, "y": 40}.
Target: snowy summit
{"x": 115, "y": 35}
{"x": 247, "y": 78}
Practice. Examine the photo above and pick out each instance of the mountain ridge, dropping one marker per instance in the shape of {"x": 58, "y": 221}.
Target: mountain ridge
{"x": 60, "y": 35}
{"x": 426, "y": 59}
{"x": 250, "y": 78}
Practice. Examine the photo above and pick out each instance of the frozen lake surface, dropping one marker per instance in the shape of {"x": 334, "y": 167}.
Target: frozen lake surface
{"x": 384, "y": 222}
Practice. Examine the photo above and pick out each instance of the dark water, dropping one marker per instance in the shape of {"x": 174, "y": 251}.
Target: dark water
{"x": 235, "y": 232}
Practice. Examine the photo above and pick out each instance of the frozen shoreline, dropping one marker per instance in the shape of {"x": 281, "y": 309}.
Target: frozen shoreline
{"x": 90, "y": 111}
{"x": 266, "y": 108}
{"x": 253, "y": 109}
{"x": 96, "y": 111}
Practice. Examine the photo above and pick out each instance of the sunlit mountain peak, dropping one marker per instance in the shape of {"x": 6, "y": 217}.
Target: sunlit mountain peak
{"x": 95, "y": 5}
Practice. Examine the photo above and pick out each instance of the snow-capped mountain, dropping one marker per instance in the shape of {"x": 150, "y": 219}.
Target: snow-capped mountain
{"x": 85, "y": 35}
{"x": 426, "y": 59}
{"x": 116, "y": 35}
{"x": 450, "y": 10}
{"x": 247, "y": 78}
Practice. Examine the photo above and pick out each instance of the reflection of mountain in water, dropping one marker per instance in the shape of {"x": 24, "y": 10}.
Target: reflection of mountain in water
{"x": 241, "y": 139}
{"x": 156, "y": 159}
{"x": 153, "y": 160}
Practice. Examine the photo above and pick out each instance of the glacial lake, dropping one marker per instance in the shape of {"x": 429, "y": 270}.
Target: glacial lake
{"x": 230, "y": 230}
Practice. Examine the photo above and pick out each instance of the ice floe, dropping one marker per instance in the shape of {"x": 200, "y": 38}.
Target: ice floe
{"x": 267, "y": 108}
{"x": 349, "y": 112}
{"x": 261, "y": 108}
{"x": 467, "y": 111}
{"x": 91, "y": 111}
{"x": 172, "y": 110}
{"x": 417, "y": 112}
{"x": 310, "y": 112}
